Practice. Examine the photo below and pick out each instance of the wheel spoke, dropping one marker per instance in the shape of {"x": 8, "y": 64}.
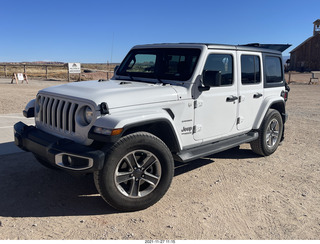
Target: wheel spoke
{"x": 123, "y": 177}
{"x": 132, "y": 160}
{"x": 268, "y": 139}
{"x": 151, "y": 179}
{"x": 274, "y": 139}
{"x": 134, "y": 190}
{"x": 148, "y": 161}
{"x": 273, "y": 125}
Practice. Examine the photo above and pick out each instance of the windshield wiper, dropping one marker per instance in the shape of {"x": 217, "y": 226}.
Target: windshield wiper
{"x": 161, "y": 81}
{"x": 132, "y": 78}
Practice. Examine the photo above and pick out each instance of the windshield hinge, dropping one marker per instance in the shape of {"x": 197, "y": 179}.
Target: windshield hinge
{"x": 198, "y": 103}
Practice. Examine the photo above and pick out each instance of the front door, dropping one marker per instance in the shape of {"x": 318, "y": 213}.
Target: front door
{"x": 216, "y": 109}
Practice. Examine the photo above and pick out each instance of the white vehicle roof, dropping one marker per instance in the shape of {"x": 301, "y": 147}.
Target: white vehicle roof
{"x": 269, "y": 48}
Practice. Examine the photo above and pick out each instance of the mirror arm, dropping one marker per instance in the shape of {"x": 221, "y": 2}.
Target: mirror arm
{"x": 204, "y": 88}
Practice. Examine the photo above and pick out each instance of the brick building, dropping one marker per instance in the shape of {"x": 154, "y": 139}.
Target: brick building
{"x": 306, "y": 56}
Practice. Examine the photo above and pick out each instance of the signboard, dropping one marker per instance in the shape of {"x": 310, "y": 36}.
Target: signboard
{"x": 20, "y": 76}
{"x": 74, "y": 68}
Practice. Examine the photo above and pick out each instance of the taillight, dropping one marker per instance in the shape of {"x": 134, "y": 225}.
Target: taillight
{"x": 284, "y": 94}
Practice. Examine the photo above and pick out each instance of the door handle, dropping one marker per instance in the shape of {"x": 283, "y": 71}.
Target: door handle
{"x": 232, "y": 98}
{"x": 257, "y": 95}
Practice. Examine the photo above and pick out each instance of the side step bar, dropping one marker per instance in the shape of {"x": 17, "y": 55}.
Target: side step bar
{"x": 208, "y": 149}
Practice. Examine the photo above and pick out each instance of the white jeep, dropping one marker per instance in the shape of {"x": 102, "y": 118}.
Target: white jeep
{"x": 165, "y": 103}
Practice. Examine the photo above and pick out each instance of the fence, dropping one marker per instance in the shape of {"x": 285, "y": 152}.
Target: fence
{"x": 57, "y": 71}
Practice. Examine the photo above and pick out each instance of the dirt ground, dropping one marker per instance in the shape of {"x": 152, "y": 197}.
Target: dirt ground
{"x": 230, "y": 195}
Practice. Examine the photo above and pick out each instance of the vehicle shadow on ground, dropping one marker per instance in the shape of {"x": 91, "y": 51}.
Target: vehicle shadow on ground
{"x": 9, "y": 147}
{"x": 30, "y": 190}
{"x": 234, "y": 153}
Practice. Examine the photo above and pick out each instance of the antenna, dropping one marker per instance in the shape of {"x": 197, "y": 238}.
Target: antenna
{"x": 112, "y": 47}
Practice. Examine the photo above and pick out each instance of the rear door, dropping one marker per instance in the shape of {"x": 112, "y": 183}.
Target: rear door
{"x": 250, "y": 88}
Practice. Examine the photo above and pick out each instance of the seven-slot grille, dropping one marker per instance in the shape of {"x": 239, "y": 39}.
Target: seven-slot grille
{"x": 57, "y": 113}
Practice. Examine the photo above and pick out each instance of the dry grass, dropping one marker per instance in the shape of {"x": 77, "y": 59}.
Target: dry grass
{"x": 91, "y": 71}
{"x": 57, "y": 71}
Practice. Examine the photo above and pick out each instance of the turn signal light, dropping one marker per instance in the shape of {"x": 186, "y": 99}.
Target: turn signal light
{"x": 107, "y": 132}
{"x": 116, "y": 132}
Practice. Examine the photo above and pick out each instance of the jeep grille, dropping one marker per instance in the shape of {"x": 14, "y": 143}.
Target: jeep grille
{"x": 56, "y": 113}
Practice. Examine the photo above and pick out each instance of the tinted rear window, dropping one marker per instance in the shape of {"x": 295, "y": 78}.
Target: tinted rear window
{"x": 273, "y": 69}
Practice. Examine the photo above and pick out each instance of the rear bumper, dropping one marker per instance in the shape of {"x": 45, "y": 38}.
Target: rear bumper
{"x": 58, "y": 152}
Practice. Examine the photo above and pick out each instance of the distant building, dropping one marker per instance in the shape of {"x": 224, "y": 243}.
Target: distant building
{"x": 306, "y": 56}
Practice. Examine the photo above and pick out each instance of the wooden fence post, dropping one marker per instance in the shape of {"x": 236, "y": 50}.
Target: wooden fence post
{"x": 46, "y": 71}
{"x": 289, "y": 77}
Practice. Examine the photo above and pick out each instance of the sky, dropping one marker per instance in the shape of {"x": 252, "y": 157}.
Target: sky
{"x": 97, "y": 31}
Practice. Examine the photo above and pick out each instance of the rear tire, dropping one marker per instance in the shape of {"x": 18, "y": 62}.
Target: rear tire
{"x": 138, "y": 171}
{"x": 270, "y": 134}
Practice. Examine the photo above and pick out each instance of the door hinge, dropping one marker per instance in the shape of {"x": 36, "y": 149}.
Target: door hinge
{"x": 196, "y": 128}
{"x": 239, "y": 120}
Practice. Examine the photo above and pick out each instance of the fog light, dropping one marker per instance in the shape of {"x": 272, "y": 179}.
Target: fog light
{"x": 66, "y": 160}
{"x": 73, "y": 162}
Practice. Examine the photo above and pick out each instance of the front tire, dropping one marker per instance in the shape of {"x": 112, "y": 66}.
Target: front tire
{"x": 270, "y": 134}
{"x": 138, "y": 171}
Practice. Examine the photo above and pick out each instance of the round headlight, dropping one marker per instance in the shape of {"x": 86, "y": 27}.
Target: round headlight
{"x": 88, "y": 114}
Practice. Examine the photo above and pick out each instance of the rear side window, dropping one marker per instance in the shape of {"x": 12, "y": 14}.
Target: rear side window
{"x": 273, "y": 70}
{"x": 250, "y": 69}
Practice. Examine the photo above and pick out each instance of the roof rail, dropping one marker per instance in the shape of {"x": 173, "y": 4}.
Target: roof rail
{"x": 277, "y": 47}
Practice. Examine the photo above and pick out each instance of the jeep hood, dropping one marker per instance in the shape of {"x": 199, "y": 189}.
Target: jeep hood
{"x": 116, "y": 93}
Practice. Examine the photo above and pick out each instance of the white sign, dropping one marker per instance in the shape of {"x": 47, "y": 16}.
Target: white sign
{"x": 20, "y": 76}
{"x": 74, "y": 68}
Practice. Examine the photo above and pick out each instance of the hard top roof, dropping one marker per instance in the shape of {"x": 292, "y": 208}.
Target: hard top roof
{"x": 273, "y": 48}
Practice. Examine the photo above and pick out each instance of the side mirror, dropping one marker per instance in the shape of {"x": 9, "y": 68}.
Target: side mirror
{"x": 210, "y": 78}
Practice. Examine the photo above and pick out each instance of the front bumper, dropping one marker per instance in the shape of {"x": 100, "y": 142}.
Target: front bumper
{"x": 58, "y": 152}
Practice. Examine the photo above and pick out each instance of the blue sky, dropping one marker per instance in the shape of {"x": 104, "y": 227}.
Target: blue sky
{"x": 98, "y": 31}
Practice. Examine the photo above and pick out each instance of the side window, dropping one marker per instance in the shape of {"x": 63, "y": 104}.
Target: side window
{"x": 273, "y": 69}
{"x": 250, "y": 69}
{"x": 222, "y": 63}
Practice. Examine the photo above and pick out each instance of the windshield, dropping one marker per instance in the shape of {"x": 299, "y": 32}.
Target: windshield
{"x": 160, "y": 63}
